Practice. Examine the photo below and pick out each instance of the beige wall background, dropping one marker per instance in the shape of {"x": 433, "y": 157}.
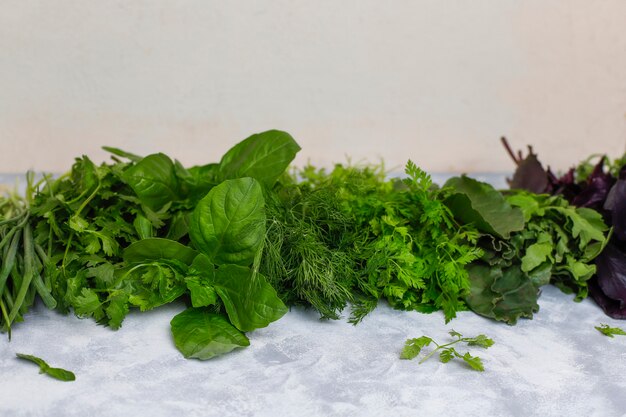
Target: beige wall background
{"x": 435, "y": 81}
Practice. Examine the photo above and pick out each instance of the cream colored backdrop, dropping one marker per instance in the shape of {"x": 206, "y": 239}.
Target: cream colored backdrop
{"x": 437, "y": 81}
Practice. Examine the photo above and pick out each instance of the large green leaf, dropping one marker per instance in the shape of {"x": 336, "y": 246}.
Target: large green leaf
{"x": 154, "y": 180}
{"x": 501, "y": 294}
{"x": 229, "y": 223}
{"x": 263, "y": 156}
{"x": 153, "y": 249}
{"x": 203, "y": 335}
{"x": 479, "y": 203}
{"x": 250, "y": 301}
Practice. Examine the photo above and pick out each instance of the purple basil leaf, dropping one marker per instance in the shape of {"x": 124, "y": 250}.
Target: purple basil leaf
{"x": 609, "y": 289}
{"x": 616, "y": 204}
{"x": 530, "y": 174}
{"x": 595, "y": 189}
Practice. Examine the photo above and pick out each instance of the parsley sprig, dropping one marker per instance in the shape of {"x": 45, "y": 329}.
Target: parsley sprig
{"x": 447, "y": 352}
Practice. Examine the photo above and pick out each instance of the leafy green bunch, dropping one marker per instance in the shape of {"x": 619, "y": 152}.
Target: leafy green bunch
{"x": 22, "y": 260}
{"x": 556, "y": 246}
{"x": 403, "y": 242}
{"x": 145, "y": 231}
{"x": 307, "y": 254}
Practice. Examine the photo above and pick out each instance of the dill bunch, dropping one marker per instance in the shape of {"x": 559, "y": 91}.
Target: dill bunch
{"x": 306, "y": 257}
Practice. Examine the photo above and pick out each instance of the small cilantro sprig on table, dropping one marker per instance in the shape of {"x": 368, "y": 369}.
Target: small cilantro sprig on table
{"x": 413, "y": 347}
{"x": 606, "y": 330}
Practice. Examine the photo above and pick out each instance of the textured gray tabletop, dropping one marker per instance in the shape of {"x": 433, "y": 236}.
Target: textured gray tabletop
{"x": 554, "y": 365}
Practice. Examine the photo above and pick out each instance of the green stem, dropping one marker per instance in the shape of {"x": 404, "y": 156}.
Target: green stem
{"x": 6, "y": 317}
{"x": 9, "y": 261}
{"x": 439, "y": 347}
{"x": 28, "y": 274}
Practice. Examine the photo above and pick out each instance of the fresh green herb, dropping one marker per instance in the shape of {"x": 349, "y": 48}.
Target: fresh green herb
{"x": 606, "y": 330}
{"x": 413, "y": 347}
{"x": 21, "y": 271}
{"x": 557, "y": 246}
{"x": 44, "y": 368}
{"x": 142, "y": 233}
{"x": 241, "y": 239}
{"x": 200, "y": 334}
{"x": 307, "y": 253}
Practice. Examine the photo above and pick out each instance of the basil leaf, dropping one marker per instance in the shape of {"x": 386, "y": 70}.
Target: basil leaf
{"x": 154, "y": 181}
{"x": 153, "y": 249}
{"x": 229, "y": 223}
{"x": 44, "y": 368}
{"x": 263, "y": 156}
{"x": 200, "y": 282}
{"x": 203, "y": 335}
{"x": 250, "y": 301}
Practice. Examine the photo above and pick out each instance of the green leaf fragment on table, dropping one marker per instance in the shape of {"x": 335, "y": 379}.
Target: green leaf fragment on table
{"x": 446, "y": 355}
{"x": 474, "y": 362}
{"x": 413, "y": 347}
{"x": 44, "y": 368}
{"x": 203, "y": 335}
{"x": 606, "y": 330}
{"x": 480, "y": 340}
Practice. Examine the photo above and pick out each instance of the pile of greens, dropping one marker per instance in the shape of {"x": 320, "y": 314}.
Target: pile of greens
{"x": 242, "y": 239}
{"x": 597, "y": 188}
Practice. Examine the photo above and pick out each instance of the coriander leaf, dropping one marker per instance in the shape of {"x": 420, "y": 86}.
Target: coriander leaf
{"x": 480, "y": 340}
{"x": 474, "y": 362}
{"x": 447, "y": 352}
{"x": 117, "y": 310}
{"x": 229, "y": 223}
{"x": 454, "y": 333}
{"x": 44, "y": 368}
{"x": 413, "y": 347}
{"x": 88, "y": 304}
{"x": 203, "y": 335}
{"x": 446, "y": 355}
{"x": 606, "y": 330}
{"x": 78, "y": 224}
{"x": 103, "y": 273}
